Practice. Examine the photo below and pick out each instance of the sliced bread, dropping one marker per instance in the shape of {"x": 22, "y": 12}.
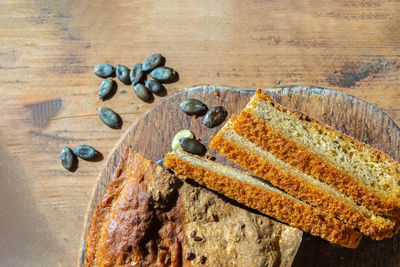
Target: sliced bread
{"x": 368, "y": 176}
{"x": 260, "y": 195}
{"x": 298, "y": 184}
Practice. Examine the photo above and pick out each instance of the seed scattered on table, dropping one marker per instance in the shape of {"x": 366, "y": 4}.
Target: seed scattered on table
{"x": 152, "y": 62}
{"x": 162, "y": 74}
{"x": 136, "y": 73}
{"x": 104, "y": 70}
{"x": 85, "y": 152}
{"x": 123, "y": 74}
{"x": 106, "y": 87}
{"x": 154, "y": 86}
{"x": 68, "y": 159}
{"x": 142, "y": 92}
{"x": 110, "y": 118}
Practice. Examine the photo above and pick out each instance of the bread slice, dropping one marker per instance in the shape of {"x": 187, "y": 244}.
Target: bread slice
{"x": 300, "y": 185}
{"x": 368, "y": 176}
{"x": 260, "y": 195}
{"x": 147, "y": 217}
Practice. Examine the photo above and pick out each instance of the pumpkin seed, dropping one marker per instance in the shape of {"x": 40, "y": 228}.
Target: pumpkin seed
{"x": 85, "y": 152}
{"x": 193, "y": 107}
{"x": 152, "y": 62}
{"x": 110, "y": 118}
{"x": 136, "y": 73}
{"x": 123, "y": 74}
{"x": 142, "y": 92}
{"x": 215, "y": 116}
{"x": 104, "y": 70}
{"x": 154, "y": 86}
{"x": 162, "y": 74}
{"x": 181, "y": 134}
{"x": 106, "y": 87}
{"x": 161, "y": 163}
{"x": 192, "y": 146}
{"x": 68, "y": 159}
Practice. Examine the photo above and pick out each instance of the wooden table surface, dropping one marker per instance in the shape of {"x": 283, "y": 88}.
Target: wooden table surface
{"x": 50, "y": 94}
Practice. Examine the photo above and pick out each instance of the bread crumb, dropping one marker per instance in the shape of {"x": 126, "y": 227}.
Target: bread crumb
{"x": 209, "y": 156}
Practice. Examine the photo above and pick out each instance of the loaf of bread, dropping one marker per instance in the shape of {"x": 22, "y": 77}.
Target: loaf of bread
{"x": 368, "y": 176}
{"x": 298, "y": 184}
{"x": 148, "y": 217}
{"x": 260, "y": 195}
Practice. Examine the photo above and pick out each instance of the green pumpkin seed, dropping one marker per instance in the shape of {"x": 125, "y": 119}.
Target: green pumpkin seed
{"x": 178, "y": 136}
{"x": 215, "y": 116}
{"x": 162, "y": 74}
{"x": 68, "y": 159}
{"x": 161, "y": 163}
{"x": 136, "y": 73}
{"x": 192, "y": 146}
{"x": 110, "y": 118}
{"x": 193, "y": 107}
{"x": 152, "y": 62}
{"x": 85, "y": 152}
{"x": 104, "y": 70}
{"x": 154, "y": 86}
{"x": 142, "y": 92}
{"x": 123, "y": 74}
{"x": 106, "y": 87}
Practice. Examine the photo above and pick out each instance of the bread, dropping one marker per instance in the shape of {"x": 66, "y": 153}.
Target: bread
{"x": 258, "y": 194}
{"x": 366, "y": 175}
{"x": 148, "y": 217}
{"x": 298, "y": 184}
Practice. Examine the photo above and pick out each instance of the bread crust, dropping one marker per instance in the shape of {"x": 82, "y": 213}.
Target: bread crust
{"x": 147, "y": 217}
{"x": 125, "y": 228}
{"x": 249, "y": 126}
{"x": 379, "y": 154}
{"x": 273, "y": 204}
{"x": 300, "y": 189}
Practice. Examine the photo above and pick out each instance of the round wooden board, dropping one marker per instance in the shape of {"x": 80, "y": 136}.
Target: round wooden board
{"x": 153, "y": 133}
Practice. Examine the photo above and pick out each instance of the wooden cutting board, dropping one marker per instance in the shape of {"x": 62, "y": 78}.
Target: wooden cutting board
{"x": 153, "y": 133}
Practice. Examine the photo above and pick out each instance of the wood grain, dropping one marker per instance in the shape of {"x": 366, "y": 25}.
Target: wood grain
{"x": 49, "y": 93}
{"x": 152, "y": 135}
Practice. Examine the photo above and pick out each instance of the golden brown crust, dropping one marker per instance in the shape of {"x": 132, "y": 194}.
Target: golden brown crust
{"x": 147, "y": 218}
{"x": 300, "y": 189}
{"x": 126, "y": 229}
{"x": 249, "y": 126}
{"x": 360, "y": 145}
{"x": 274, "y": 204}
